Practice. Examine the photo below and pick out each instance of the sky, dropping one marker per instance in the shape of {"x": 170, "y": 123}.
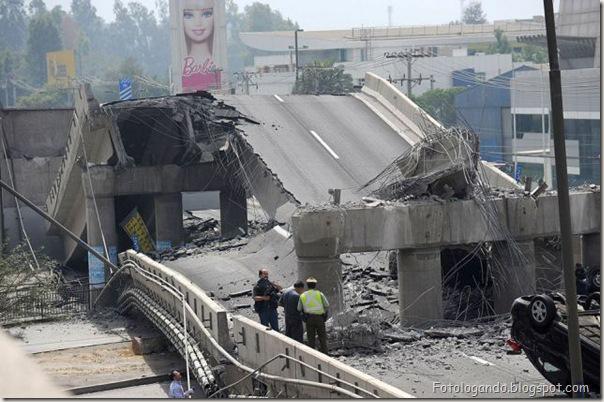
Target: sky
{"x": 337, "y": 14}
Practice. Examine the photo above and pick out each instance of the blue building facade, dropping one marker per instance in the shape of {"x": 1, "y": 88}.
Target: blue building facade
{"x": 485, "y": 109}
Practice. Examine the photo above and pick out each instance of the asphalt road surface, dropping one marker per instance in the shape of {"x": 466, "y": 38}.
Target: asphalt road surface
{"x": 314, "y": 143}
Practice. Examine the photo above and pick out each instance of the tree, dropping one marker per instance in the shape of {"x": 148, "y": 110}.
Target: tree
{"x": 440, "y": 104}
{"x": 473, "y": 14}
{"x": 46, "y": 98}
{"x": 260, "y": 17}
{"x": 13, "y": 26}
{"x": 502, "y": 44}
{"x": 256, "y": 17}
{"x": 130, "y": 68}
{"x": 323, "y": 79}
{"x": 533, "y": 53}
{"x": 43, "y": 37}
{"x": 84, "y": 13}
{"x": 37, "y": 7}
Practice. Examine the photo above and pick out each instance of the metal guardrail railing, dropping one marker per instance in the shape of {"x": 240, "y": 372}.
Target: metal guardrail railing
{"x": 445, "y": 29}
{"x": 39, "y": 302}
{"x": 161, "y": 289}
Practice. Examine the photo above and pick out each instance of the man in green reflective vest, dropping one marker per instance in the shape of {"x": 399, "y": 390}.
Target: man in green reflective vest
{"x": 314, "y": 305}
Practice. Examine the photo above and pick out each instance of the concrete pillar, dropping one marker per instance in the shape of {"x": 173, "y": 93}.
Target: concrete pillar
{"x": 169, "y": 231}
{"x": 328, "y": 271}
{"x": 233, "y": 213}
{"x": 513, "y": 277}
{"x": 591, "y": 252}
{"x": 97, "y": 272}
{"x": 420, "y": 285}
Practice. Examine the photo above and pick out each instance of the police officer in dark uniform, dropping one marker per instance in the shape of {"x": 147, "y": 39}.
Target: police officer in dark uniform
{"x": 266, "y": 300}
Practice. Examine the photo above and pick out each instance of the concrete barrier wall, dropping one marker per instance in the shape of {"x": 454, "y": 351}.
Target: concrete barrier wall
{"x": 254, "y": 342}
{"x": 257, "y": 345}
{"x": 399, "y": 104}
{"x": 213, "y": 315}
{"x": 416, "y": 119}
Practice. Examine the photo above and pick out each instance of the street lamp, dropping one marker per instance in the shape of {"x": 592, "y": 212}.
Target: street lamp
{"x": 296, "y": 46}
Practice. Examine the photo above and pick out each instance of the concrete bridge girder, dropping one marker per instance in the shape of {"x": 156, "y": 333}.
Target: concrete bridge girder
{"x": 419, "y": 230}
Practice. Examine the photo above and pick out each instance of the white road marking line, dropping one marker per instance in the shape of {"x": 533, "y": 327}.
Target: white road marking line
{"x": 479, "y": 360}
{"x": 279, "y": 98}
{"x": 282, "y": 232}
{"x": 335, "y": 156}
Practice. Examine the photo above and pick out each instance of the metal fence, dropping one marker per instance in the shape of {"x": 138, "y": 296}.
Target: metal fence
{"x": 40, "y": 302}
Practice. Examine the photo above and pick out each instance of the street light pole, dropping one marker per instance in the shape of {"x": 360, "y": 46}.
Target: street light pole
{"x": 574, "y": 341}
{"x": 297, "y": 53}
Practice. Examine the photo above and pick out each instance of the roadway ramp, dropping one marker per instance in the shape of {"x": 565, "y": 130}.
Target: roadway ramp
{"x": 317, "y": 143}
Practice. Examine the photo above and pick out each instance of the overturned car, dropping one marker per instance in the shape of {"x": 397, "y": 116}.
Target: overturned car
{"x": 540, "y": 329}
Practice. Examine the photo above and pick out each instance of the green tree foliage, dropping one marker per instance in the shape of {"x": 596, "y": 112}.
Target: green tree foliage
{"x": 323, "y": 79}
{"x": 10, "y": 63}
{"x": 43, "y": 37}
{"x": 130, "y": 68}
{"x": 440, "y": 104}
{"x": 46, "y": 98}
{"x": 535, "y": 54}
{"x": 256, "y": 17}
{"x": 28, "y": 29}
{"x": 260, "y": 17}
{"x": 473, "y": 14}
{"x": 13, "y": 24}
{"x": 502, "y": 44}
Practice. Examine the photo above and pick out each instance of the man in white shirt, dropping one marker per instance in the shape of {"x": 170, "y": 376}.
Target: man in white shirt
{"x": 176, "y": 389}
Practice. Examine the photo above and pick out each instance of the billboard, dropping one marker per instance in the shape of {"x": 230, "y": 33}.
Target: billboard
{"x": 61, "y": 68}
{"x": 199, "y": 45}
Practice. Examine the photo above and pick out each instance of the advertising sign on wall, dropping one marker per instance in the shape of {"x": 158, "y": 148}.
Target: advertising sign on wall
{"x": 199, "y": 45}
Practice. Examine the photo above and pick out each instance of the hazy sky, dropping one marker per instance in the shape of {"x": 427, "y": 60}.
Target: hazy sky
{"x": 331, "y": 14}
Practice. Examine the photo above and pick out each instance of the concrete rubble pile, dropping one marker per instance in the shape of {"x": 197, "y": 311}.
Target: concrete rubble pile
{"x": 192, "y": 129}
{"x": 443, "y": 165}
{"x": 203, "y": 235}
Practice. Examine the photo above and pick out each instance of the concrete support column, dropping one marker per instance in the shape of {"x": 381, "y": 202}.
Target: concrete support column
{"x": 169, "y": 230}
{"x": 328, "y": 271}
{"x": 233, "y": 212}
{"x": 420, "y": 285}
{"x": 591, "y": 253}
{"x": 97, "y": 272}
{"x": 512, "y": 276}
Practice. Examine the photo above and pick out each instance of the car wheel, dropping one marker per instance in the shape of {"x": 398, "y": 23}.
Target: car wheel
{"x": 590, "y": 299}
{"x": 594, "y": 278}
{"x": 542, "y": 311}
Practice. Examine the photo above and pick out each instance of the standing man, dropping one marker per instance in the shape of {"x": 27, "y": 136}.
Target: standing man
{"x": 266, "y": 300}
{"x": 176, "y": 389}
{"x": 314, "y": 305}
{"x": 293, "y": 318}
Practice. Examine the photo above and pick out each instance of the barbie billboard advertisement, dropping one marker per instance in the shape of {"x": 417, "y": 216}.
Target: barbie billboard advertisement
{"x": 198, "y": 45}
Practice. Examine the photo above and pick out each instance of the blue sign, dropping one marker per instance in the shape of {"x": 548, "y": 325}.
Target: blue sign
{"x": 96, "y": 267}
{"x": 163, "y": 245}
{"x": 518, "y": 174}
{"x": 125, "y": 89}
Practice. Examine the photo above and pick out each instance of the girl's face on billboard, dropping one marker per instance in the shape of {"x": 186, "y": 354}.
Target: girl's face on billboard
{"x": 198, "y": 19}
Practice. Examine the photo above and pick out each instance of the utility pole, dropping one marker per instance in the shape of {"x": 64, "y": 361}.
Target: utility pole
{"x": 297, "y": 51}
{"x": 245, "y": 79}
{"x": 390, "y": 10}
{"x": 574, "y": 342}
{"x": 409, "y": 57}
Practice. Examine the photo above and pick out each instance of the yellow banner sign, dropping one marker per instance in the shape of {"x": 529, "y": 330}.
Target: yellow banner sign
{"x": 138, "y": 232}
{"x": 61, "y": 68}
